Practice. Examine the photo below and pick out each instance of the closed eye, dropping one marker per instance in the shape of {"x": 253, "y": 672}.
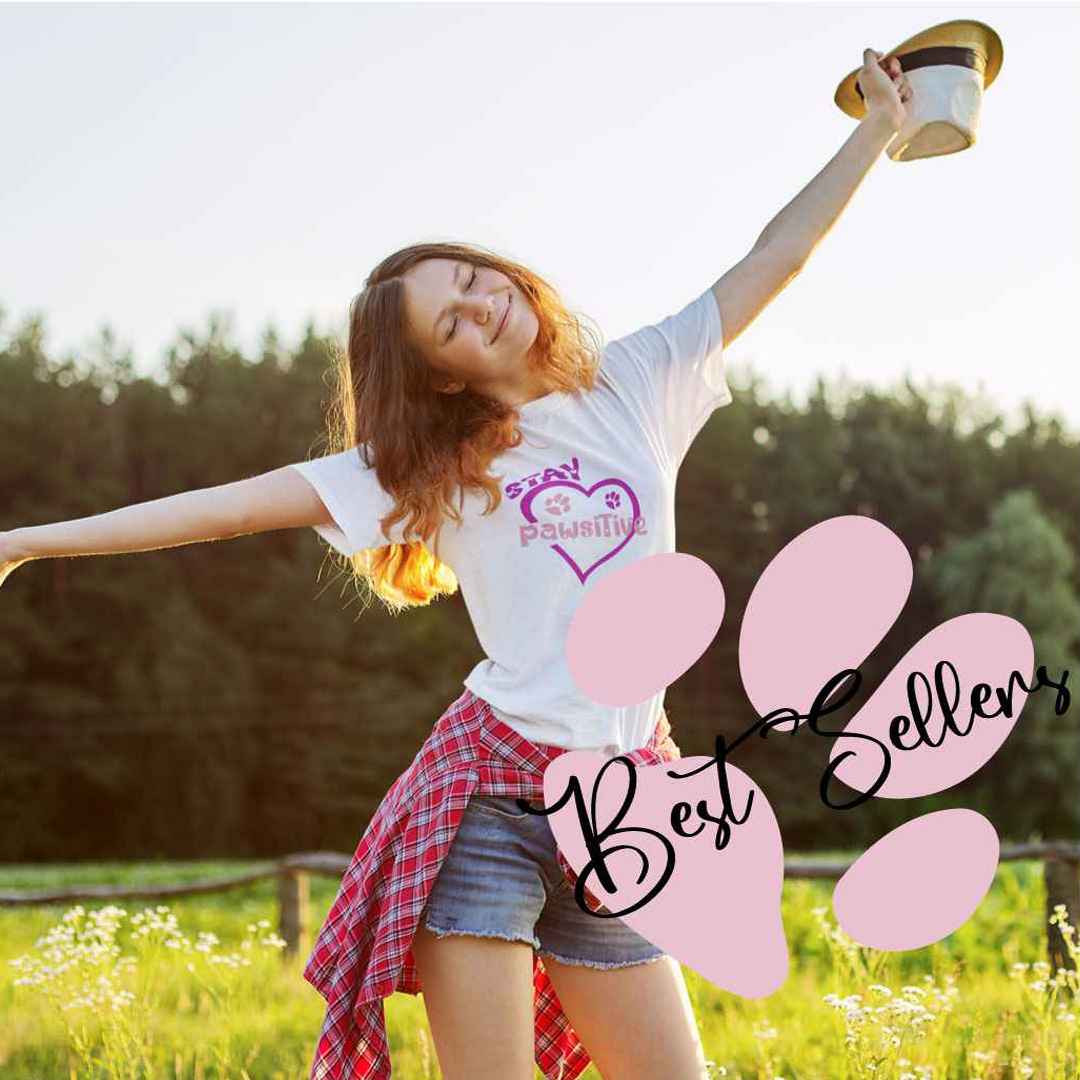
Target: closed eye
{"x": 467, "y": 288}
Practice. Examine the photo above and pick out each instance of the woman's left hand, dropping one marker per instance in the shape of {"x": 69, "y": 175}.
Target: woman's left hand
{"x": 885, "y": 87}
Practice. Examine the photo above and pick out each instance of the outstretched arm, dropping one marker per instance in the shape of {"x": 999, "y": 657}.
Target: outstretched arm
{"x": 787, "y": 242}
{"x": 281, "y": 499}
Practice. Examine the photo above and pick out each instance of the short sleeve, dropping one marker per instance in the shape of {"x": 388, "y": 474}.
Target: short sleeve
{"x": 356, "y": 500}
{"x": 672, "y": 373}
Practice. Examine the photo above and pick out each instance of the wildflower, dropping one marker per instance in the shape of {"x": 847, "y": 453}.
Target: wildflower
{"x": 207, "y": 941}
{"x": 79, "y": 965}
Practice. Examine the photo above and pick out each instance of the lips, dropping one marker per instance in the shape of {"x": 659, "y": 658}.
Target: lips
{"x": 504, "y": 320}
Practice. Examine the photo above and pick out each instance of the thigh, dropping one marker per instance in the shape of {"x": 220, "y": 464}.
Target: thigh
{"x": 636, "y": 1022}
{"x": 478, "y": 993}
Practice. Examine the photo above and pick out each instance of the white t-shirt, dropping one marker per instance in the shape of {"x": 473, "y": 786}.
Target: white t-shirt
{"x": 590, "y": 489}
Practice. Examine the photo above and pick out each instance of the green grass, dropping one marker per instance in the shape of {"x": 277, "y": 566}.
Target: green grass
{"x": 270, "y": 1027}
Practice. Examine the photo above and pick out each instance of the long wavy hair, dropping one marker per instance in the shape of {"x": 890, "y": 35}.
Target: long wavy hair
{"x": 428, "y": 447}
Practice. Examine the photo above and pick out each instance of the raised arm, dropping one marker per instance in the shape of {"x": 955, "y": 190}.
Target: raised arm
{"x": 786, "y": 243}
{"x": 281, "y": 499}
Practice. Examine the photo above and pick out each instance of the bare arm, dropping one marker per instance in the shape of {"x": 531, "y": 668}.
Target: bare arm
{"x": 789, "y": 239}
{"x": 787, "y": 242}
{"x": 281, "y": 499}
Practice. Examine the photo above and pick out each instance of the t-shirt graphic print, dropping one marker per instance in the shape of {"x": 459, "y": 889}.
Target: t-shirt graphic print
{"x": 590, "y": 490}
{"x": 584, "y": 526}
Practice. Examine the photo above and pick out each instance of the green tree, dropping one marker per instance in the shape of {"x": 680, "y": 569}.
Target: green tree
{"x": 1021, "y": 565}
{"x": 233, "y": 699}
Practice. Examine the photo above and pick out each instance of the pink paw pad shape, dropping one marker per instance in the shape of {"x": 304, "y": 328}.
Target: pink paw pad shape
{"x": 818, "y": 609}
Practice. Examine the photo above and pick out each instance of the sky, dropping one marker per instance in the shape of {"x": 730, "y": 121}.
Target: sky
{"x": 161, "y": 162}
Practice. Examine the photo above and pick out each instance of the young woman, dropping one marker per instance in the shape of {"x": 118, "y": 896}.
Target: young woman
{"x": 458, "y": 361}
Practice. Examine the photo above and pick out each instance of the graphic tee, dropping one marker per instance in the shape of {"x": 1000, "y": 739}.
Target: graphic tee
{"x": 590, "y": 490}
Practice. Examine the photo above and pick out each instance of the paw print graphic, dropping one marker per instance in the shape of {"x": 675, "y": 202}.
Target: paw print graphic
{"x": 612, "y": 499}
{"x": 557, "y": 504}
{"x": 818, "y": 610}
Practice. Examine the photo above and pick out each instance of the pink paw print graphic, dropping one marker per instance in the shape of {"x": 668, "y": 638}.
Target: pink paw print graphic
{"x": 557, "y": 504}
{"x": 612, "y": 500}
{"x": 817, "y": 612}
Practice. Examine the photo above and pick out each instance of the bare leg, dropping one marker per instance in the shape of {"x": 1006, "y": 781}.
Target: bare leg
{"x": 478, "y": 993}
{"x": 636, "y": 1022}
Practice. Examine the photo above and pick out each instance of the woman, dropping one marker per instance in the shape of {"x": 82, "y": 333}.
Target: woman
{"x": 457, "y": 358}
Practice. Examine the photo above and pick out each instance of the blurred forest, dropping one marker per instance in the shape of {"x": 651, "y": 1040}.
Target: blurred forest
{"x": 232, "y": 699}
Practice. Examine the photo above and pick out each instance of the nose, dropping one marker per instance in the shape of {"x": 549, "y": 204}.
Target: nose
{"x": 482, "y": 305}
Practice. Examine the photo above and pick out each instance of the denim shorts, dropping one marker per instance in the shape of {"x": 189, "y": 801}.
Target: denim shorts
{"x": 501, "y": 879}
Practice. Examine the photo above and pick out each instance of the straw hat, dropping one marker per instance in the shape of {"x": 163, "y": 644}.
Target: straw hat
{"x": 948, "y": 67}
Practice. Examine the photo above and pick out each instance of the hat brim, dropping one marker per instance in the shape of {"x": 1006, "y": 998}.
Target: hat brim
{"x": 957, "y": 33}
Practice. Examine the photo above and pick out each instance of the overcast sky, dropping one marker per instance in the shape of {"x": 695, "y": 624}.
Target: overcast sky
{"x": 164, "y": 161}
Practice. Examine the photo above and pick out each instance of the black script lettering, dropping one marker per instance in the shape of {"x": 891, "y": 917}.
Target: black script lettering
{"x": 818, "y": 710}
{"x": 947, "y": 701}
{"x": 917, "y": 719}
{"x": 728, "y": 815}
{"x": 594, "y": 839}
{"x": 902, "y": 724}
{"x": 980, "y": 693}
{"x": 723, "y": 831}
{"x": 1006, "y": 696}
{"x": 1063, "y": 697}
{"x": 680, "y": 814}
{"x": 772, "y": 721}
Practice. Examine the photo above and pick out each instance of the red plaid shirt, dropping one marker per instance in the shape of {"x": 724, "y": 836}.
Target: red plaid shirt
{"x": 364, "y": 951}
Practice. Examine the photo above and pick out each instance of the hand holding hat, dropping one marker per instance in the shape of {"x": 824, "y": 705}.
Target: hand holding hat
{"x": 946, "y": 69}
{"x": 885, "y": 87}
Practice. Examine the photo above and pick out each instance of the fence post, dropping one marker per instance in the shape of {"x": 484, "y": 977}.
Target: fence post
{"x": 1062, "y": 878}
{"x": 293, "y": 897}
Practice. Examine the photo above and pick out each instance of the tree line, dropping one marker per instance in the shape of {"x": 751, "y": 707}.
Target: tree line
{"x": 235, "y": 700}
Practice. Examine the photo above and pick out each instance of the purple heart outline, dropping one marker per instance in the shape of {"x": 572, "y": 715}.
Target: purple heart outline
{"x": 526, "y": 510}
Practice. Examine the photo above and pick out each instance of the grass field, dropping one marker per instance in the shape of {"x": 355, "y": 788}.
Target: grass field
{"x": 963, "y": 1008}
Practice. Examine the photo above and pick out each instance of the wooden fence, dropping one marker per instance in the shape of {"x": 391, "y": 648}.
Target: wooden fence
{"x": 1061, "y": 872}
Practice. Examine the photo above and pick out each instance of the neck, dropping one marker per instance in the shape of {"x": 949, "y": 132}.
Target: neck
{"x": 528, "y": 387}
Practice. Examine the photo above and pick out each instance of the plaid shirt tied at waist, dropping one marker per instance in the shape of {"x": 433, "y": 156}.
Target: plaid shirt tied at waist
{"x": 363, "y": 952}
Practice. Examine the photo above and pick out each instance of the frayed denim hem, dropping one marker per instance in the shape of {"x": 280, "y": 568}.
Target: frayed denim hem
{"x": 439, "y": 932}
{"x": 600, "y": 965}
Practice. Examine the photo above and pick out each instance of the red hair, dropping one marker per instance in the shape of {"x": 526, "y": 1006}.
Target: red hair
{"x": 428, "y": 447}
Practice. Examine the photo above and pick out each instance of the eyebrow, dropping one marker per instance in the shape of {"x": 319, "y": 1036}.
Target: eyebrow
{"x": 439, "y": 318}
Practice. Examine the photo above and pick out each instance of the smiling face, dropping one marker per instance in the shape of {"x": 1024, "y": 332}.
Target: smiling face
{"x": 473, "y": 325}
